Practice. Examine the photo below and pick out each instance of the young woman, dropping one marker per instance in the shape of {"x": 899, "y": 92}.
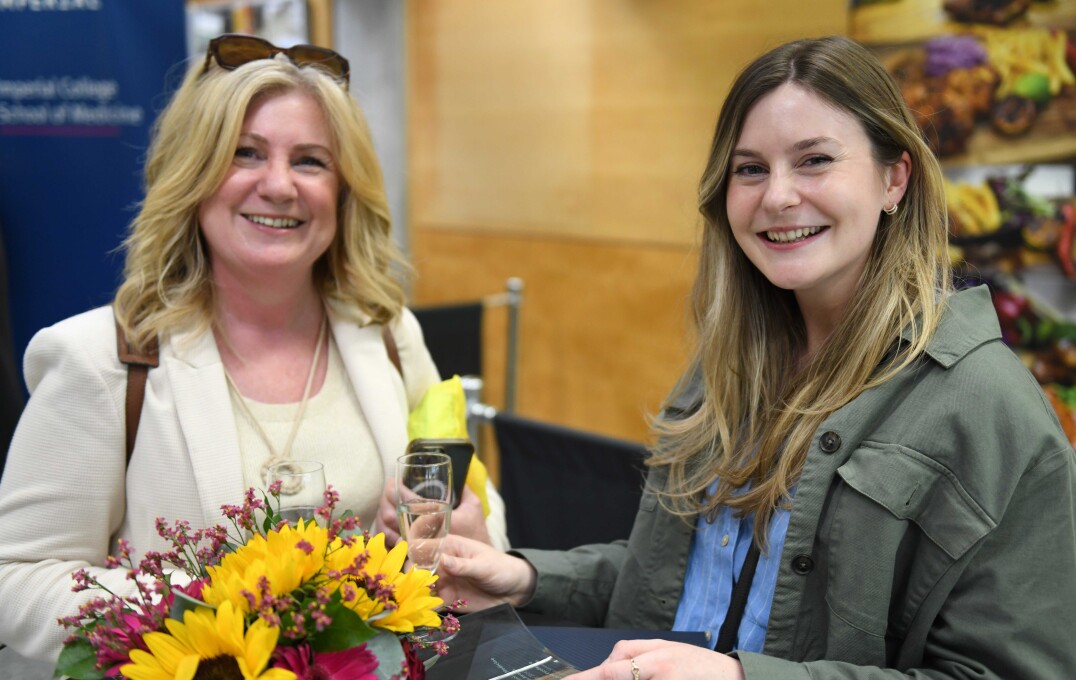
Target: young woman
{"x": 849, "y": 418}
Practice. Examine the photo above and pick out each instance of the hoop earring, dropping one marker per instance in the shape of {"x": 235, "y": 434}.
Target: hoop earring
{"x": 891, "y": 210}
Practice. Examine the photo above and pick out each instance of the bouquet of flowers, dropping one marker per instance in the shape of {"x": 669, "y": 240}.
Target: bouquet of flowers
{"x": 264, "y": 599}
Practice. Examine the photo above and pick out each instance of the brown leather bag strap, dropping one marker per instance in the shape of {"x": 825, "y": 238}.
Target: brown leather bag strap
{"x": 390, "y": 347}
{"x": 138, "y": 366}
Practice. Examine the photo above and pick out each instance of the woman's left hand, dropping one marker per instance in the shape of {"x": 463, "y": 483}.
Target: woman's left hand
{"x": 657, "y": 659}
{"x": 467, "y": 518}
{"x": 387, "y": 520}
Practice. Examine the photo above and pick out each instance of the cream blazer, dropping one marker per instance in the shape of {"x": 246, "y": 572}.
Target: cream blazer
{"x": 66, "y": 498}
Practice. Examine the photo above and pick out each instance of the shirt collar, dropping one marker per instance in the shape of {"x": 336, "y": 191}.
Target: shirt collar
{"x": 968, "y": 321}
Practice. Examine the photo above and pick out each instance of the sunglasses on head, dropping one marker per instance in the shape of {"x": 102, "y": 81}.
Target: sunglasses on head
{"x": 232, "y": 50}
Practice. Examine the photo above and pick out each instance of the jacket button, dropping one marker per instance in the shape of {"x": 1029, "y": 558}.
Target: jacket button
{"x": 802, "y": 564}
{"x": 830, "y": 442}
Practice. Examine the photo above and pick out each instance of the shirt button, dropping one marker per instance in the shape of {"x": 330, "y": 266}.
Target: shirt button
{"x": 724, "y": 540}
{"x": 802, "y": 564}
{"x": 830, "y": 442}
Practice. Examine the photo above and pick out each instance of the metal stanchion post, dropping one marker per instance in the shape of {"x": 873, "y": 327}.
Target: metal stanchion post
{"x": 515, "y": 302}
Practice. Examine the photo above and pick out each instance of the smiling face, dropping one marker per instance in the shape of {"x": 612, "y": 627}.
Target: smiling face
{"x": 805, "y": 195}
{"x": 274, "y": 214}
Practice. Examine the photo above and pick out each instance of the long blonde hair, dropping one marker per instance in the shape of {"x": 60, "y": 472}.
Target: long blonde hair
{"x": 167, "y": 281}
{"x": 759, "y": 413}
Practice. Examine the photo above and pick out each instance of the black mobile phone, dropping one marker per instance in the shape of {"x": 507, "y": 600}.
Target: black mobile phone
{"x": 459, "y": 451}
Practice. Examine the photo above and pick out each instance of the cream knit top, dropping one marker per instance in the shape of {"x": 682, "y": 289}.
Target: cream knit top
{"x": 333, "y": 432}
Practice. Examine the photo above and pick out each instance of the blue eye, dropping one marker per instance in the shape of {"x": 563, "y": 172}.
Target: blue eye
{"x": 749, "y": 170}
{"x": 817, "y": 160}
{"x": 246, "y": 152}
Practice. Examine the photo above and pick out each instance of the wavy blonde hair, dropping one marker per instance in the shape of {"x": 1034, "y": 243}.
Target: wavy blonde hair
{"x": 759, "y": 412}
{"x": 167, "y": 280}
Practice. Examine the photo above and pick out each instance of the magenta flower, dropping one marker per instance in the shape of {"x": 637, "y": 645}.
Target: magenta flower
{"x": 193, "y": 589}
{"x": 116, "y": 637}
{"x": 358, "y": 663}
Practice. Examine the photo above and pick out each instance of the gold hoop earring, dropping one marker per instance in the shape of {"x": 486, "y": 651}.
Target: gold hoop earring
{"x": 891, "y": 210}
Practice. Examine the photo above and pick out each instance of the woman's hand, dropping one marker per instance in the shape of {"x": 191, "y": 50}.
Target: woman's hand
{"x": 467, "y": 518}
{"x": 657, "y": 659}
{"x": 482, "y": 575}
{"x": 387, "y": 521}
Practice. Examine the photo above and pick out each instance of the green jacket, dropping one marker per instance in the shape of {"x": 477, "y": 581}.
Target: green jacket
{"x": 933, "y": 533}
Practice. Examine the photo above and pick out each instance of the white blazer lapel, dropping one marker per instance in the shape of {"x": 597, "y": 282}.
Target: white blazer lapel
{"x": 206, "y": 421}
{"x": 378, "y": 386}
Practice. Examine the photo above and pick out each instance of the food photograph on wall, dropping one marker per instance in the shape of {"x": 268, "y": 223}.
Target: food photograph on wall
{"x": 992, "y": 84}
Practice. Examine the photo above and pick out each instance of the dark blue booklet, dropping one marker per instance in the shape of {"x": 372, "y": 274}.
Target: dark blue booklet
{"x": 494, "y": 644}
{"x": 588, "y": 647}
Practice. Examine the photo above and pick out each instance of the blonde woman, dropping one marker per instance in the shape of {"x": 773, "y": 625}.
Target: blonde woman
{"x": 856, "y": 479}
{"x": 262, "y": 262}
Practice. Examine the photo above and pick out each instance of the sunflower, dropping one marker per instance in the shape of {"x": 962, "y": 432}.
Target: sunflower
{"x": 208, "y": 645}
{"x": 287, "y": 557}
{"x": 416, "y": 603}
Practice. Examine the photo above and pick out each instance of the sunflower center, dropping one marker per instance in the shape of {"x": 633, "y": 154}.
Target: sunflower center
{"x": 222, "y": 667}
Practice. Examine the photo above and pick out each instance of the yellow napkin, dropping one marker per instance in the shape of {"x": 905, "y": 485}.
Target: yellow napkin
{"x": 442, "y": 413}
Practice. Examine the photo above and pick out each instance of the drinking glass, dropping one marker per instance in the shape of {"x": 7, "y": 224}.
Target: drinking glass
{"x": 424, "y": 505}
{"x": 302, "y": 488}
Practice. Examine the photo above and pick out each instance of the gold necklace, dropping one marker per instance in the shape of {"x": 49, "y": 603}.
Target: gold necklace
{"x": 285, "y": 454}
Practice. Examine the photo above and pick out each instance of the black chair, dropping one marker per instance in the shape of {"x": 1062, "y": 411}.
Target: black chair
{"x": 453, "y": 334}
{"x": 564, "y": 487}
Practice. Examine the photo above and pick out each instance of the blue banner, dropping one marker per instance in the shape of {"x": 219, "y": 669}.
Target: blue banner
{"x": 81, "y": 82}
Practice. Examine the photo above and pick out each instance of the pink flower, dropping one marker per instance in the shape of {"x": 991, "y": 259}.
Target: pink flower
{"x": 193, "y": 589}
{"x": 117, "y": 637}
{"x": 357, "y": 663}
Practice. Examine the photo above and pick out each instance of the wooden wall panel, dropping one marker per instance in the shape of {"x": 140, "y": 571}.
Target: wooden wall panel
{"x": 579, "y": 117}
{"x": 603, "y": 330}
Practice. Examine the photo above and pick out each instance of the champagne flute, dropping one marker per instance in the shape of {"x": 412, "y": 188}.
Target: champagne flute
{"x": 424, "y": 504}
{"x": 302, "y": 488}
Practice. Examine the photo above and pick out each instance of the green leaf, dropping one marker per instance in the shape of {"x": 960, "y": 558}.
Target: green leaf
{"x": 1027, "y": 333}
{"x": 347, "y": 630}
{"x": 1066, "y": 331}
{"x": 78, "y": 660}
{"x": 390, "y": 657}
{"x": 1067, "y": 394}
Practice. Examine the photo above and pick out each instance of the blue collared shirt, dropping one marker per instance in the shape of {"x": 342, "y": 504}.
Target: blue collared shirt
{"x": 717, "y": 554}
